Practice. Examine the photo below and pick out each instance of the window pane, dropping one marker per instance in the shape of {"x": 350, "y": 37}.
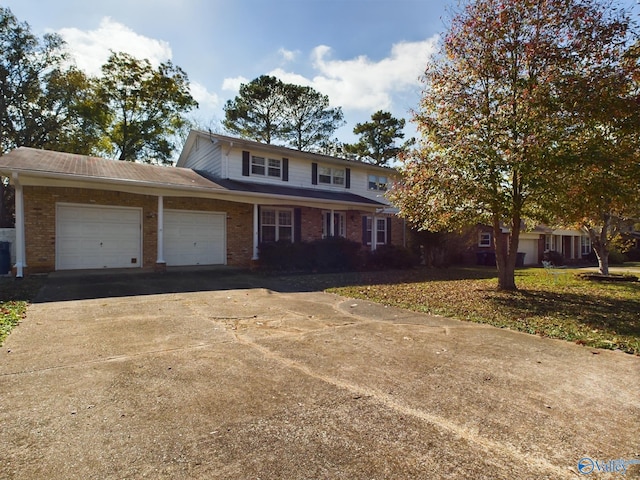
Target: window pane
{"x": 338, "y": 176}
{"x": 382, "y": 183}
{"x": 324, "y": 175}
{"x": 284, "y": 218}
{"x": 373, "y": 182}
{"x": 257, "y": 166}
{"x": 268, "y": 217}
{"x": 284, "y": 233}
{"x": 268, "y": 233}
{"x": 274, "y": 168}
{"x": 381, "y": 230}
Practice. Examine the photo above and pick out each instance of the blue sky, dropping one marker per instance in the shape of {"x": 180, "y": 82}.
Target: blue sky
{"x": 366, "y": 55}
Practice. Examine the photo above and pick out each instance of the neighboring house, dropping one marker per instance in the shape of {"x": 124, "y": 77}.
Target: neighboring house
{"x": 573, "y": 245}
{"x": 225, "y": 197}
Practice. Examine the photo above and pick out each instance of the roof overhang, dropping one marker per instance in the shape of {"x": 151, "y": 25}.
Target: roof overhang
{"x": 51, "y": 179}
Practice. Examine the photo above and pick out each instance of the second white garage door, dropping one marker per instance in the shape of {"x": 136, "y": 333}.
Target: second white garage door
{"x": 194, "y": 238}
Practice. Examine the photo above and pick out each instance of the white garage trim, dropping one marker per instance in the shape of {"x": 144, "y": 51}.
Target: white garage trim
{"x": 98, "y": 236}
{"x": 194, "y": 237}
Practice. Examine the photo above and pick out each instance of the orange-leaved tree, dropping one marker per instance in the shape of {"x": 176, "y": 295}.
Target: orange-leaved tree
{"x": 493, "y": 117}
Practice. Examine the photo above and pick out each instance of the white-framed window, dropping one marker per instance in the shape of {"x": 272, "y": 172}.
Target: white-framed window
{"x": 266, "y": 167}
{"x": 585, "y": 245}
{"x": 549, "y": 243}
{"x": 484, "y": 239}
{"x": 338, "y": 224}
{"x": 381, "y": 230}
{"x": 331, "y": 176}
{"x": 378, "y": 182}
{"x": 276, "y": 225}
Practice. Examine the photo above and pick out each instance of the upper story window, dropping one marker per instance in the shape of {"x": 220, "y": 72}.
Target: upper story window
{"x": 378, "y": 182}
{"x": 272, "y": 168}
{"x": 331, "y": 176}
{"x": 268, "y": 167}
{"x": 484, "y": 239}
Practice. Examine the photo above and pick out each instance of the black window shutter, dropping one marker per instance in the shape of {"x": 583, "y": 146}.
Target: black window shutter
{"x": 364, "y": 229}
{"x": 314, "y": 174}
{"x": 297, "y": 224}
{"x": 388, "y": 230}
{"x": 285, "y": 169}
{"x": 245, "y": 163}
{"x": 347, "y": 180}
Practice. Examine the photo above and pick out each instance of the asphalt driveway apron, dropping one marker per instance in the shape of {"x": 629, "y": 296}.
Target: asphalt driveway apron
{"x": 201, "y": 376}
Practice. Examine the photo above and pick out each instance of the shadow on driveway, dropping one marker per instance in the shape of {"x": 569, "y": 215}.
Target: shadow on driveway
{"x": 83, "y": 285}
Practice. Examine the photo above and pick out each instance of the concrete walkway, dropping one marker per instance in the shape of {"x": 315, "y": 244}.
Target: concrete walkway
{"x": 212, "y": 375}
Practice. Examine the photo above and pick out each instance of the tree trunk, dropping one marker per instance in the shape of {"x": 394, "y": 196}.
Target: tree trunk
{"x": 506, "y": 255}
{"x": 602, "y": 250}
{"x": 600, "y": 243}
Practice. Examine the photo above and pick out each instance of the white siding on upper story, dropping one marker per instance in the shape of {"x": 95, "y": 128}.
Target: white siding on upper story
{"x": 223, "y": 159}
{"x": 300, "y": 171}
{"x": 205, "y": 155}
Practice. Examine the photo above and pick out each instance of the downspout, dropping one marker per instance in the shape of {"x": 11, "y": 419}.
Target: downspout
{"x": 160, "y": 256}
{"x": 20, "y": 241}
{"x": 255, "y": 232}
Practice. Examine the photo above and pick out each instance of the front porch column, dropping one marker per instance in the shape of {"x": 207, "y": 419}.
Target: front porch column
{"x": 160, "y": 255}
{"x": 374, "y": 232}
{"x": 20, "y": 240}
{"x": 332, "y": 227}
{"x": 256, "y": 227}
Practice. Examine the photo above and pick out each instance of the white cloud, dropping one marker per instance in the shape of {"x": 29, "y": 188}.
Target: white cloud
{"x": 288, "y": 55}
{"x": 92, "y": 48}
{"x": 363, "y": 84}
{"x": 206, "y": 100}
{"x": 233, "y": 84}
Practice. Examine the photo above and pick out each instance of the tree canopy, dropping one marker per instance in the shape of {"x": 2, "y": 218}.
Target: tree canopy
{"x": 145, "y": 106}
{"x": 377, "y": 143}
{"x": 41, "y": 99}
{"x": 269, "y": 110}
{"x": 598, "y": 191}
{"x": 493, "y": 116}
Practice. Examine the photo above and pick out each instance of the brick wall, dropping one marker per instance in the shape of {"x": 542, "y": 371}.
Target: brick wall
{"x": 40, "y": 222}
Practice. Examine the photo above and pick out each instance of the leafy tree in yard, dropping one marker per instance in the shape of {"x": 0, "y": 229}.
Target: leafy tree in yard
{"x": 145, "y": 106}
{"x": 269, "y": 110}
{"x": 492, "y": 116}
{"x": 257, "y": 111}
{"x": 378, "y": 137}
{"x": 42, "y": 102}
{"x": 599, "y": 191}
{"x": 308, "y": 120}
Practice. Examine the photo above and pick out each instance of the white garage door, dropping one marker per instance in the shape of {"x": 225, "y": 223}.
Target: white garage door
{"x": 530, "y": 248}
{"x": 89, "y": 236}
{"x": 194, "y": 238}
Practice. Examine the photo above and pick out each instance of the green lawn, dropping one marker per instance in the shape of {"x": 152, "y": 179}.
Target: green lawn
{"x": 558, "y": 305}
{"x": 15, "y": 295}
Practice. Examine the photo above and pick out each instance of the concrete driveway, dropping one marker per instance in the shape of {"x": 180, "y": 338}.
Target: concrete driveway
{"x": 221, "y": 375}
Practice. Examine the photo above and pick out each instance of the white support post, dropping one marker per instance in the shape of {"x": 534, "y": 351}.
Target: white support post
{"x": 160, "y": 256}
{"x": 20, "y": 240}
{"x": 374, "y": 232}
{"x": 256, "y": 236}
{"x": 332, "y": 226}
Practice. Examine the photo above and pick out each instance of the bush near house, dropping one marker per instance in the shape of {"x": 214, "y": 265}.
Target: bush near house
{"x": 332, "y": 254}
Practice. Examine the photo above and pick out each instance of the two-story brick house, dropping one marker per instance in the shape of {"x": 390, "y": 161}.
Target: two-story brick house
{"x": 225, "y": 196}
